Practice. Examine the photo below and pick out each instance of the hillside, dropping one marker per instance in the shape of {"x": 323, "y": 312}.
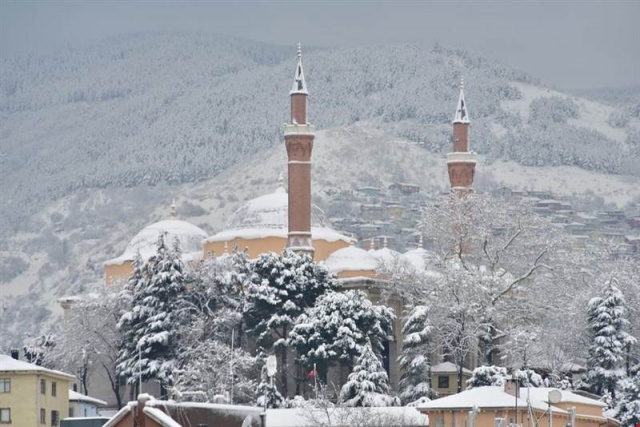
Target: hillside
{"x": 173, "y": 108}
{"x": 95, "y": 142}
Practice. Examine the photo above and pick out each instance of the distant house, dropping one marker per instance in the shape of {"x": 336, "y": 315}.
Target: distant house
{"x": 31, "y": 395}
{"x": 84, "y": 406}
{"x": 491, "y": 406}
{"x": 404, "y": 188}
{"x": 444, "y": 378}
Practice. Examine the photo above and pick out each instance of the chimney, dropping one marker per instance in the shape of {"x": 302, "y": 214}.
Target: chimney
{"x": 15, "y": 354}
{"x": 143, "y": 398}
{"x": 512, "y": 387}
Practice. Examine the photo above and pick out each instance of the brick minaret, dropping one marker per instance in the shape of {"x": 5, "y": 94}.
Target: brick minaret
{"x": 461, "y": 162}
{"x": 298, "y": 138}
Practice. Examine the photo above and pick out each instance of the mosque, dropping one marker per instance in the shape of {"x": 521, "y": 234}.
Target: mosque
{"x": 288, "y": 219}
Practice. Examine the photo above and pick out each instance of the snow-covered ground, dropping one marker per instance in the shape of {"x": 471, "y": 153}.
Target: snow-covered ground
{"x": 592, "y": 115}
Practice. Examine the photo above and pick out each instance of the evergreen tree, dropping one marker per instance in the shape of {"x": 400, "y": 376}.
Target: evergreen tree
{"x": 281, "y": 287}
{"x": 368, "y": 384}
{"x": 268, "y": 394}
{"x": 487, "y": 375}
{"x": 528, "y": 378}
{"x": 415, "y": 381}
{"x": 36, "y": 349}
{"x": 151, "y": 326}
{"x": 627, "y": 411}
{"x": 609, "y": 340}
{"x": 336, "y": 328}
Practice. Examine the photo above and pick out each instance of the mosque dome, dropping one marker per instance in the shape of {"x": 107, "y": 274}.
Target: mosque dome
{"x": 145, "y": 242}
{"x": 418, "y": 258}
{"x": 351, "y": 259}
{"x": 267, "y": 216}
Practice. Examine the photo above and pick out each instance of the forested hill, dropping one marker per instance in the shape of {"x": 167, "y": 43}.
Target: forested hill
{"x": 178, "y": 107}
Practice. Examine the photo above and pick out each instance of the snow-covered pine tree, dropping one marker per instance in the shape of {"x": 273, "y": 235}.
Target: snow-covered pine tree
{"x": 528, "y": 378}
{"x": 607, "y": 323}
{"x": 487, "y": 375}
{"x": 36, "y": 349}
{"x": 268, "y": 394}
{"x": 415, "y": 381}
{"x": 368, "y": 384}
{"x": 627, "y": 410}
{"x": 151, "y": 326}
{"x": 336, "y": 328}
{"x": 281, "y": 287}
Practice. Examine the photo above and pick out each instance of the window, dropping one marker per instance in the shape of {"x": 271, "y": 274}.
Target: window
{"x": 443, "y": 381}
{"x": 440, "y": 421}
{"x": 71, "y": 413}
{"x": 43, "y": 416}
{"x": 5, "y": 416}
{"x": 43, "y": 387}
{"x": 55, "y": 418}
{"x": 5, "y": 385}
{"x": 54, "y": 388}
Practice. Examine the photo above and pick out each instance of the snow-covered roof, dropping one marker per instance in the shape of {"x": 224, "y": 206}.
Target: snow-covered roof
{"x": 351, "y": 258}
{"x": 462, "y": 114}
{"x": 9, "y": 364}
{"x": 79, "y": 397}
{"x": 448, "y": 367}
{"x": 333, "y": 417}
{"x": 268, "y": 216}
{"x": 160, "y": 417}
{"x": 299, "y": 84}
{"x": 486, "y": 397}
{"x": 542, "y": 394}
{"x": 145, "y": 242}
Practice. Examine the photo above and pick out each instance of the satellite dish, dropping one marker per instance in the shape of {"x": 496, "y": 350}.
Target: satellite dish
{"x": 272, "y": 365}
{"x": 555, "y": 396}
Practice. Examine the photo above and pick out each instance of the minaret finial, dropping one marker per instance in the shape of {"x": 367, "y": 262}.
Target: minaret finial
{"x": 372, "y": 245}
{"x": 173, "y": 208}
{"x": 299, "y": 50}
{"x": 462, "y": 83}
{"x": 385, "y": 242}
{"x": 420, "y": 242}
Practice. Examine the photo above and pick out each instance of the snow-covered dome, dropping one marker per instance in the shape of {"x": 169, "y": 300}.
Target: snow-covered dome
{"x": 418, "y": 258}
{"x": 351, "y": 258}
{"x": 145, "y": 242}
{"x": 267, "y": 216}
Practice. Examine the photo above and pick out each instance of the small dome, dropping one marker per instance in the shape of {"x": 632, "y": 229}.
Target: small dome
{"x": 145, "y": 242}
{"x": 385, "y": 255}
{"x": 351, "y": 258}
{"x": 418, "y": 258}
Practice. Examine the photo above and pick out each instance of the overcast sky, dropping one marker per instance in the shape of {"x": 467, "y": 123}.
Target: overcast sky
{"x": 567, "y": 43}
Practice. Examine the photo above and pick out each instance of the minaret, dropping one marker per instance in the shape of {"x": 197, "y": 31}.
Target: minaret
{"x": 461, "y": 162}
{"x": 298, "y": 138}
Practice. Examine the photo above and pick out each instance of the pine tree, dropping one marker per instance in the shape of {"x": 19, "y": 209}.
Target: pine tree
{"x": 281, "y": 287}
{"x": 368, "y": 384}
{"x": 36, "y": 349}
{"x": 627, "y": 411}
{"x": 151, "y": 326}
{"x": 415, "y": 381}
{"x": 336, "y": 328}
{"x": 528, "y": 378}
{"x": 609, "y": 340}
{"x": 268, "y": 394}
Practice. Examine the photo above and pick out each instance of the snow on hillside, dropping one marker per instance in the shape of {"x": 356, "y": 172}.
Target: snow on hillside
{"x": 591, "y": 115}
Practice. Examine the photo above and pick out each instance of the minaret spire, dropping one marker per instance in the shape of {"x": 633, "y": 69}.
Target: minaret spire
{"x": 462, "y": 161}
{"x": 298, "y": 139}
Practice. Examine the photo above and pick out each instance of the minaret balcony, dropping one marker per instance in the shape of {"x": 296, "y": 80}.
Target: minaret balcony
{"x": 461, "y": 157}
{"x": 298, "y": 129}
